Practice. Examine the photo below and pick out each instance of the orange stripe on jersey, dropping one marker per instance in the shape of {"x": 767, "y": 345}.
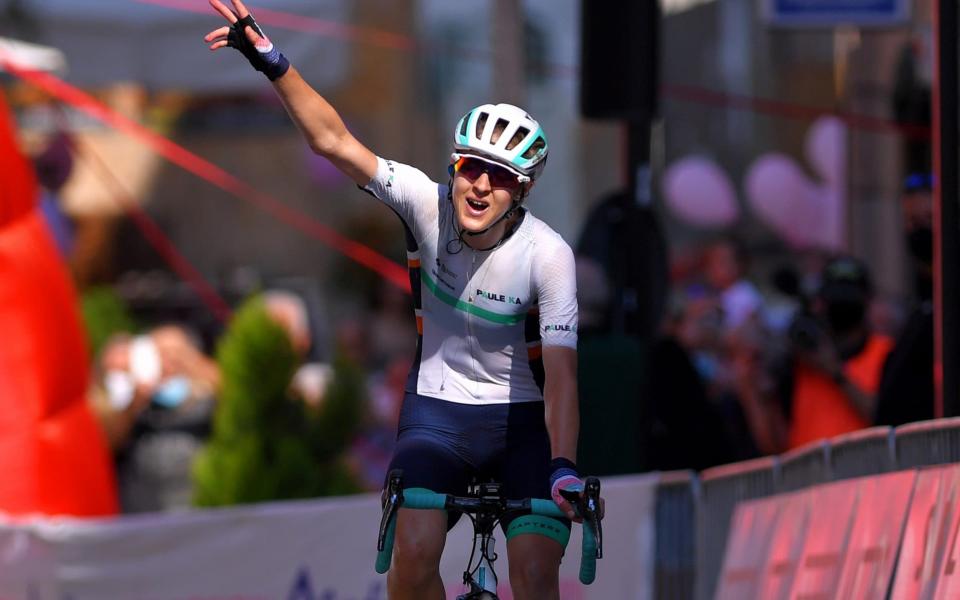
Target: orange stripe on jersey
{"x": 420, "y": 325}
{"x": 413, "y": 263}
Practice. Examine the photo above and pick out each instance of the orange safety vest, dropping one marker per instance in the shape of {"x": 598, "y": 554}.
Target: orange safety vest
{"x": 821, "y": 408}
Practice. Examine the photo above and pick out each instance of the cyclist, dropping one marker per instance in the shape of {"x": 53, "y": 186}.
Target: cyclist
{"x": 492, "y": 391}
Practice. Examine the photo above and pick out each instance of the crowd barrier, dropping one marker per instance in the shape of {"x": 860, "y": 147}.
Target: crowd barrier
{"x": 803, "y": 467}
{"x": 721, "y": 488}
{"x": 872, "y": 514}
{"x": 861, "y": 453}
{"x": 675, "y": 539}
{"x": 835, "y": 540}
{"x": 863, "y": 456}
{"x": 317, "y": 550}
{"x": 928, "y": 443}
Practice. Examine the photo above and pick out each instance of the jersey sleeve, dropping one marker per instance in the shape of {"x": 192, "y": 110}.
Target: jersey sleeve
{"x": 556, "y": 284}
{"x": 408, "y": 191}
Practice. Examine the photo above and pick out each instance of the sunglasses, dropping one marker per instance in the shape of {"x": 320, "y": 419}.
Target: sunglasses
{"x": 500, "y": 177}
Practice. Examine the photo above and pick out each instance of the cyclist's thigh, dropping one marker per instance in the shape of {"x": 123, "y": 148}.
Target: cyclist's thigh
{"x": 524, "y": 468}
{"x": 429, "y": 448}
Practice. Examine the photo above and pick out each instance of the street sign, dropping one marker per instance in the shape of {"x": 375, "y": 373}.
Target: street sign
{"x": 833, "y": 13}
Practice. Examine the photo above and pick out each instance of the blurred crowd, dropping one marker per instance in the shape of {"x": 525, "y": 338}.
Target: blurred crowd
{"x": 157, "y": 372}
{"x": 751, "y": 361}
{"x": 155, "y": 392}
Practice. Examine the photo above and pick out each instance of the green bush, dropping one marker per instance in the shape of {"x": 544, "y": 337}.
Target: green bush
{"x": 104, "y": 314}
{"x": 266, "y": 443}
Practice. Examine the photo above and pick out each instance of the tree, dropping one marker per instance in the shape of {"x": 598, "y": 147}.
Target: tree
{"x": 267, "y": 444}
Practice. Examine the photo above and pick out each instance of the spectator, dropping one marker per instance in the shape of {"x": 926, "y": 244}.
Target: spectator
{"x": 391, "y": 327}
{"x": 725, "y": 272}
{"x": 311, "y": 379}
{"x": 682, "y": 423}
{"x": 53, "y": 167}
{"x": 833, "y": 372}
{"x": 610, "y": 374}
{"x": 759, "y": 424}
{"x": 721, "y": 322}
{"x": 624, "y": 236}
{"x": 593, "y": 295}
{"x": 155, "y": 394}
{"x": 371, "y": 450}
{"x": 906, "y": 387}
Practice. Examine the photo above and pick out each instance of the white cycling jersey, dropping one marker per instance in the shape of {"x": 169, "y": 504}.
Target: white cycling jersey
{"x": 482, "y": 316}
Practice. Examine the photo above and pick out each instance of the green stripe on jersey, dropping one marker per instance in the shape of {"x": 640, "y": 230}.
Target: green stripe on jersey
{"x": 466, "y": 307}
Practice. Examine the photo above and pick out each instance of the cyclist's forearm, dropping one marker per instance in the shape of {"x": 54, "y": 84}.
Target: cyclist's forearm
{"x": 561, "y": 405}
{"x": 563, "y": 424}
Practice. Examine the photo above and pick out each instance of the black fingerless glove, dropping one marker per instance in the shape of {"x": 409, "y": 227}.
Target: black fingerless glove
{"x": 268, "y": 60}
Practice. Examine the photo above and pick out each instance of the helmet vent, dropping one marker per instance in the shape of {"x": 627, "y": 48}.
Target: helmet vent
{"x": 463, "y": 126}
{"x": 535, "y": 148}
{"x": 481, "y": 123}
{"x": 498, "y": 130}
{"x": 521, "y": 133}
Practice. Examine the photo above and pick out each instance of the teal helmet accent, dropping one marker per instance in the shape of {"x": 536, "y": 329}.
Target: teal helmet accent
{"x": 504, "y": 134}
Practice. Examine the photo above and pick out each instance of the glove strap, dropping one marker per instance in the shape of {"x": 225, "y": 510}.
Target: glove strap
{"x": 560, "y": 468}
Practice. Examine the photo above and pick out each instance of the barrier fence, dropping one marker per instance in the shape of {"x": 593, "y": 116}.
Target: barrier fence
{"x": 861, "y": 453}
{"x": 313, "y": 550}
{"x": 887, "y": 466}
{"x": 675, "y": 538}
{"x": 872, "y": 514}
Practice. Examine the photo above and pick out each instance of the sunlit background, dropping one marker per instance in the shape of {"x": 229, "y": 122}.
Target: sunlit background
{"x": 203, "y": 241}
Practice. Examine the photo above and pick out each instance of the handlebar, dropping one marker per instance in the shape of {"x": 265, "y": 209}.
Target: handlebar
{"x": 589, "y": 508}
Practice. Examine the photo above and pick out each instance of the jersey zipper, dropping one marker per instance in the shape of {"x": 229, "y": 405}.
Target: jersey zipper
{"x": 470, "y": 336}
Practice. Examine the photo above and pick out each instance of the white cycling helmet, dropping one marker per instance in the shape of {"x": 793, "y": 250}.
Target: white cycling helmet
{"x": 504, "y": 134}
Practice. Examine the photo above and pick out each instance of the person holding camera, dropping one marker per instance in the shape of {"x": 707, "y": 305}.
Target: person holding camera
{"x": 836, "y": 359}
{"x": 906, "y": 389}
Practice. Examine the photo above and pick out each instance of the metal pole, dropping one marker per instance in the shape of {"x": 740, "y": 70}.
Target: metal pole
{"x": 509, "y": 53}
{"x": 946, "y": 258}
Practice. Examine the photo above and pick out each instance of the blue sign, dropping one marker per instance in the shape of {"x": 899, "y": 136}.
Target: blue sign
{"x": 832, "y": 13}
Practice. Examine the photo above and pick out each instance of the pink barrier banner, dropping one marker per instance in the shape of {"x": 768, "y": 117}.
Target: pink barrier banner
{"x": 948, "y": 580}
{"x": 835, "y": 540}
{"x": 933, "y": 509}
{"x": 786, "y": 545}
{"x": 825, "y": 544}
{"x": 875, "y": 535}
{"x": 750, "y": 535}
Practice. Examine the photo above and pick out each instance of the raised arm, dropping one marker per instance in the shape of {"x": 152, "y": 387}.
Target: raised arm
{"x": 319, "y": 122}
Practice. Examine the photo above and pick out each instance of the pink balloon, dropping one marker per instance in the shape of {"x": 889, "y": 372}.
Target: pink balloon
{"x": 700, "y": 193}
{"x": 783, "y": 197}
{"x": 825, "y": 149}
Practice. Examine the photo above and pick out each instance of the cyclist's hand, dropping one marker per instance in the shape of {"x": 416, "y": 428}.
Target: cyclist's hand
{"x": 245, "y": 35}
{"x": 565, "y": 483}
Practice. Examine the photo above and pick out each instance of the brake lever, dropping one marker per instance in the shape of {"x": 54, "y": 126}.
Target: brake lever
{"x": 591, "y": 496}
{"x": 392, "y": 499}
{"x": 588, "y": 507}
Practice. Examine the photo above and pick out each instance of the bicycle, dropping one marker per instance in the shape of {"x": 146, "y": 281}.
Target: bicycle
{"x": 485, "y": 506}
